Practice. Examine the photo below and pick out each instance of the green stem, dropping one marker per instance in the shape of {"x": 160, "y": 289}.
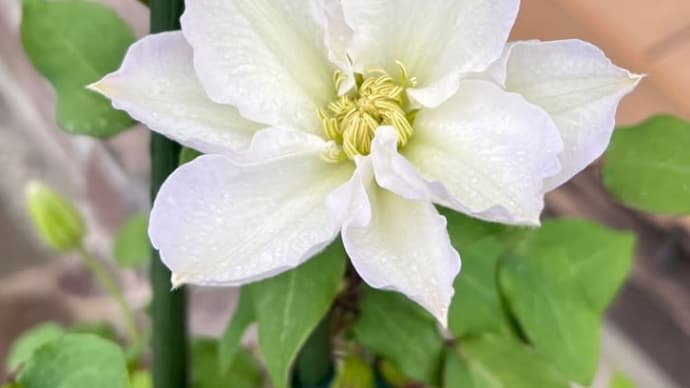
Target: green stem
{"x": 169, "y": 306}
{"x": 111, "y": 287}
{"x": 314, "y": 361}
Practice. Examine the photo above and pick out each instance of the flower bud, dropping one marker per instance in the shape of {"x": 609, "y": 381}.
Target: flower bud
{"x": 392, "y": 375}
{"x": 353, "y": 373}
{"x": 57, "y": 221}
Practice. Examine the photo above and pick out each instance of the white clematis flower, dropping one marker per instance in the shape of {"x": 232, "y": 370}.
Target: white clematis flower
{"x": 355, "y": 117}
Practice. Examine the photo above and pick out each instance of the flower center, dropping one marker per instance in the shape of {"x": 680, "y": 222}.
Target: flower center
{"x": 351, "y": 120}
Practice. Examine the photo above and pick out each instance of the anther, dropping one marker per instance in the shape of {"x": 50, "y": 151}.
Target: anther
{"x": 351, "y": 120}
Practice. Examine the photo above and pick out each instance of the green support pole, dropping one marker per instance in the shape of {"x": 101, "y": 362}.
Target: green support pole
{"x": 169, "y": 307}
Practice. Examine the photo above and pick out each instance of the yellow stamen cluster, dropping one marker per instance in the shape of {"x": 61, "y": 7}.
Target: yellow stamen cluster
{"x": 352, "y": 119}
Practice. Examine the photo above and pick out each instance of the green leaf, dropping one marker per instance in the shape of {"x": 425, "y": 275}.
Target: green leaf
{"x": 464, "y": 230}
{"x": 647, "y": 166}
{"x": 456, "y": 372}
{"x": 229, "y": 343}
{"x": 554, "y": 315}
{"x": 289, "y": 306}
{"x": 131, "y": 246}
{"x": 598, "y": 259}
{"x": 498, "y": 362}
{"x": 243, "y": 372}
{"x": 133, "y": 352}
{"x": 73, "y": 44}
{"x": 568, "y": 273}
{"x": 476, "y": 307}
{"x": 23, "y": 348}
{"x": 188, "y": 154}
{"x": 620, "y": 380}
{"x": 76, "y": 361}
{"x": 141, "y": 379}
{"x": 101, "y": 329}
{"x": 392, "y": 326}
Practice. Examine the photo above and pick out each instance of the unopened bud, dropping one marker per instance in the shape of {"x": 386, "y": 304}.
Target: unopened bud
{"x": 56, "y": 220}
{"x": 353, "y": 373}
{"x": 392, "y": 375}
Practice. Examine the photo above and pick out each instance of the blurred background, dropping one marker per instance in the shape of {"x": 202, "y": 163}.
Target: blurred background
{"x": 647, "y": 334}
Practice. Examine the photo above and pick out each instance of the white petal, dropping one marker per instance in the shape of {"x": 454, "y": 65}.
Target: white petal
{"x": 403, "y": 246}
{"x": 265, "y": 57}
{"x": 338, "y": 34}
{"x": 349, "y": 202}
{"x": 275, "y": 143}
{"x": 490, "y": 149}
{"x": 219, "y": 224}
{"x": 156, "y": 85}
{"x": 438, "y": 40}
{"x": 393, "y": 172}
{"x": 578, "y": 86}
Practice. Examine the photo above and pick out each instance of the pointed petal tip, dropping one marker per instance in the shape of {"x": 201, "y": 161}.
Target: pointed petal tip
{"x": 105, "y": 86}
{"x": 178, "y": 280}
{"x": 632, "y": 79}
{"x": 637, "y": 77}
{"x": 440, "y": 312}
{"x": 443, "y": 321}
{"x": 98, "y": 87}
{"x": 437, "y": 306}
